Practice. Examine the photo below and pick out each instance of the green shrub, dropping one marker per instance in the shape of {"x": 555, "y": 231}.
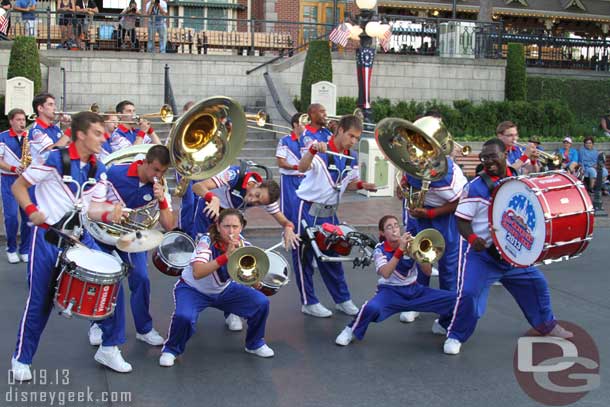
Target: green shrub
{"x": 24, "y": 61}
{"x": 318, "y": 67}
{"x": 516, "y": 87}
{"x": 4, "y": 124}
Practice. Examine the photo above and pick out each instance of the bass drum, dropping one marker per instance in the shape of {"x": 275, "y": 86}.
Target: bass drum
{"x": 174, "y": 253}
{"x": 277, "y": 276}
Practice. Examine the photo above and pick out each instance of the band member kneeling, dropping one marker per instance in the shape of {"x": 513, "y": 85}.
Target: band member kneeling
{"x": 56, "y": 196}
{"x": 206, "y": 283}
{"x": 398, "y": 289}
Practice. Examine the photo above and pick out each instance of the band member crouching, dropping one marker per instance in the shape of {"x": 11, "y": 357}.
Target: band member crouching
{"x": 398, "y": 289}
{"x": 206, "y": 283}
{"x": 11, "y": 146}
{"x": 483, "y": 264}
{"x": 135, "y": 185}
{"x": 326, "y": 179}
{"x": 288, "y": 154}
{"x": 54, "y": 200}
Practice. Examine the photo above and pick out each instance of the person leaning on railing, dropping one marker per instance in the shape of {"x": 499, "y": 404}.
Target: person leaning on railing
{"x": 156, "y": 10}
{"x": 27, "y": 8}
{"x": 127, "y": 24}
{"x": 85, "y": 11}
{"x": 66, "y": 17}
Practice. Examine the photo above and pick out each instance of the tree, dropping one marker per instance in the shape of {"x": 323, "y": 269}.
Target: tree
{"x": 318, "y": 67}
{"x": 25, "y": 61}
{"x": 516, "y": 81}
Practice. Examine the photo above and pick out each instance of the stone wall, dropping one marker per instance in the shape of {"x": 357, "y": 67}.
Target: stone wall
{"x": 108, "y": 77}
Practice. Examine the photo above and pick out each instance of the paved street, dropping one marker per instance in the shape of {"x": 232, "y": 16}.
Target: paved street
{"x": 395, "y": 365}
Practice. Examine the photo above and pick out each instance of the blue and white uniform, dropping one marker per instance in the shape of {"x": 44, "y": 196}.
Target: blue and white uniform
{"x": 322, "y": 185}
{"x": 231, "y": 195}
{"x": 217, "y": 290}
{"x": 311, "y": 135}
{"x": 289, "y": 149}
{"x": 481, "y": 269}
{"x": 449, "y": 189}
{"x": 55, "y": 198}
{"x": 401, "y": 292}
{"x": 42, "y": 135}
{"x": 123, "y": 137}
{"x": 10, "y": 153}
{"x": 187, "y": 211}
{"x": 513, "y": 154}
{"x": 125, "y": 187}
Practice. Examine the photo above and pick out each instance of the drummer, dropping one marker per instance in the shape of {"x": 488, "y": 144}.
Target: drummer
{"x": 483, "y": 264}
{"x": 206, "y": 283}
{"x": 53, "y": 204}
{"x": 135, "y": 185}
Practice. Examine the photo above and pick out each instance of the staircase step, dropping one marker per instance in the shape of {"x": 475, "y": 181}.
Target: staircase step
{"x": 269, "y": 144}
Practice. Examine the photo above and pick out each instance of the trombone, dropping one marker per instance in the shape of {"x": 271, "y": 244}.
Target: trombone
{"x": 94, "y": 107}
{"x": 166, "y": 114}
{"x": 544, "y": 157}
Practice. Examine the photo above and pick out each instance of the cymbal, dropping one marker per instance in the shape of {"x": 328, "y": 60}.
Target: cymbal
{"x": 139, "y": 241}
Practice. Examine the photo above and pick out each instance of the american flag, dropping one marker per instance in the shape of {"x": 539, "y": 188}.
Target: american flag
{"x": 3, "y": 22}
{"x": 364, "y": 68}
{"x": 339, "y": 35}
{"x": 384, "y": 41}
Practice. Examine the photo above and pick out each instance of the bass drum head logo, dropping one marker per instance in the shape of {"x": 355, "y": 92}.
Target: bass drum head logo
{"x": 518, "y": 222}
{"x": 556, "y": 371}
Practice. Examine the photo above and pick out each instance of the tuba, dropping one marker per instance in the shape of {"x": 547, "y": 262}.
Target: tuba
{"x": 142, "y": 218}
{"x": 414, "y": 151}
{"x": 435, "y": 127}
{"x": 206, "y": 139}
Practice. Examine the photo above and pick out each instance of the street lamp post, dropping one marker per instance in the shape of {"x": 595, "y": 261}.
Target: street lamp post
{"x": 368, "y": 27}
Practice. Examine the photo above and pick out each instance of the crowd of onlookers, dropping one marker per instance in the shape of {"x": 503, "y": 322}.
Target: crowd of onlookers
{"x": 75, "y": 17}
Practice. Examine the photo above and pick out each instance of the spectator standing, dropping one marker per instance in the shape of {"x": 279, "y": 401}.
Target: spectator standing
{"x": 157, "y": 10}
{"x": 27, "y": 8}
{"x": 66, "y": 7}
{"x": 85, "y": 11}
{"x": 127, "y": 24}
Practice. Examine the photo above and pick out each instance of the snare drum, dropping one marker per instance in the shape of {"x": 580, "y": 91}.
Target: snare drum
{"x": 541, "y": 218}
{"x": 88, "y": 283}
{"x": 174, "y": 253}
{"x": 277, "y": 276}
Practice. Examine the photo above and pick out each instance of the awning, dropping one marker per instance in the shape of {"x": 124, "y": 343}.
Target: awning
{"x": 559, "y": 15}
{"x": 209, "y": 4}
{"x": 428, "y": 6}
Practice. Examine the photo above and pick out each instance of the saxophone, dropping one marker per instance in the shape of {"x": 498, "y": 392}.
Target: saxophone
{"x": 26, "y": 156}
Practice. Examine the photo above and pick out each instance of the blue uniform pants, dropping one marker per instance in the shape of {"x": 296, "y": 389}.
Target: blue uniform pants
{"x": 236, "y": 299}
{"x": 139, "y": 286}
{"x": 38, "y": 305}
{"x": 332, "y": 273}
{"x": 289, "y": 201}
{"x": 390, "y": 300}
{"x": 186, "y": 211}
{"x": 527, "y": 286}
{"x": 11, "y": 221}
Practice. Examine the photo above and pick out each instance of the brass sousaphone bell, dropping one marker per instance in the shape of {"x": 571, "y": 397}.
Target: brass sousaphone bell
{"x": 427, "y": 247}
{"x": 434, "y": 126}
{"x": 206, "y": 139}
{"x": 248, "y": 265}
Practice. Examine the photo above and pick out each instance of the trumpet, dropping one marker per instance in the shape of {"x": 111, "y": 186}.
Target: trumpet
{"x": 248, "y": 265}
{"x": 427, "y": 246}
{"x": 544, "y": 157}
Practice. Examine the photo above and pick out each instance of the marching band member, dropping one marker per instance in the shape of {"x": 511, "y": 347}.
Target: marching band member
{"x": 326, "y": 179}
{"x": 288, "y": 154}
{"x": 128, "y": 134}
{"x": 232, "y": 189}
{"x": 44, "y": 135}
{"x": 483, "y": 264}
{"x": 111, "y": 123}
{"x": 206, "y": 283}
{"x": 316, "y": 130}
{"x": 54, "y": 199}
{"x": 522, "y": 161}
{"x": 11, "y": 146}
{"x": 135, "y": 185}
{"x": 398, "y": 288}
{"x": 569, "y": 156}
{"x": 438, "y": 213}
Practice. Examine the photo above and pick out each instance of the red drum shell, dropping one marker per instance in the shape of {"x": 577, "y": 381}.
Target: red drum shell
{"x": 567, "y": 212}
{"x": 173, "y": 243}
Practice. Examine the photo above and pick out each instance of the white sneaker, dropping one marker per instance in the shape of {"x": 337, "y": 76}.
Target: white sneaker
{"x": 316, "y": 310}
{"x": 95, "y": 335}
{"x": 437, "y": 329}
{"x": 345, "y": 337}
{"x": 152, "y": 338}
{"x": 21, "y": 371}
{"x": 234, "y": 323}
{"x": 452, "y": 346}
{"x": 110, "y": 356}
{"x": 408, "y": 316}
{"x": 24, "y": 257}
{"x": 347, "y": 307}
{"x": 264, "y": 351}
{"x": 167, "y": 359}
{"x": 13, "y": 258}
{"x": 560, "y": 332}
